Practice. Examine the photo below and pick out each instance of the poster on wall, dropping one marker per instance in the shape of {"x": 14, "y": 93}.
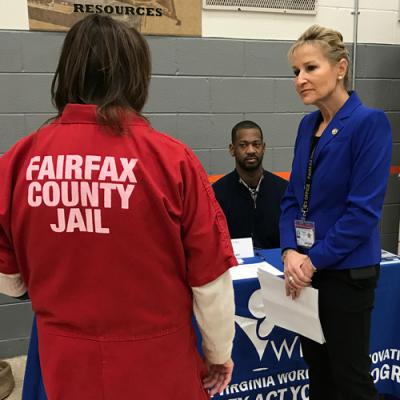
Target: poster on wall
{"x": 151, "y": 17}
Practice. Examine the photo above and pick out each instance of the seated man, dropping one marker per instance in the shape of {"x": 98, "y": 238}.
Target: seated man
{"x": 250, "y": 196}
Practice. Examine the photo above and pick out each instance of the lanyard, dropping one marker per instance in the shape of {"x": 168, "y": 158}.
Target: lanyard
{"x": 307, "y": 186}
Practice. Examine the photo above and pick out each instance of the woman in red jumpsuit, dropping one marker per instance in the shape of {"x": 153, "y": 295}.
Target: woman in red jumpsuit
{"x": 114, "y": 231}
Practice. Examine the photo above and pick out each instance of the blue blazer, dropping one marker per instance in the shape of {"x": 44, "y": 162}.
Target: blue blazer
{"x": 351, "y": 168}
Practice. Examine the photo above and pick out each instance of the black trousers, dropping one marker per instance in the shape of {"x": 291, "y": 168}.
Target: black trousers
{"x": 340, "y": 368}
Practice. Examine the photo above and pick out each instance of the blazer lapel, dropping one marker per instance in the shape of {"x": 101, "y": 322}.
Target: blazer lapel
{"x": 337, "y": 123}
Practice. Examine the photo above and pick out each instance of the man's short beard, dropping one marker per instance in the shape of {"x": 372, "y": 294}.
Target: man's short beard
{"x": 250, "y": 168}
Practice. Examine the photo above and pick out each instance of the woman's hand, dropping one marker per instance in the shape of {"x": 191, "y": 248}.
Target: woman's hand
{"x": 290, "y": 291}
{"x": 218, "y": 376}
{"x": 298, "y": 270}
{"x": 308, "y": 267}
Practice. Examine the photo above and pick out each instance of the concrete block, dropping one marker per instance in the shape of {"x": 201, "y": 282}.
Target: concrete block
{"x": 237, "y": 95}
{"x": 16, "y": 320}
{"x": 210, "y": 57}
{"x": 386, "y": 5}
{"x": 379, "y": 93}
{"x": 183, "y": 94}
{"x": 10, "y": 50}
{"x": 279, "y": 129}
{"x": 268, "y": 161}
{"x": 394, "y": 118}
{"x": 41, "y": 50}
{"x": 393, "y": 95}
{"x": 11, "y": 130}
{"x": 14, "y": 347}
{"x": 7, "y": 299}
{"x": 393, "y": 190}
{"x": 396, "y": 154}
{"x": 164, "y": 123}
{"x": 377, "y": 26}
{"x": 35, "y": 121}
{"x": 201, "y": 131}
{"x": 221, "y": 162}
{"x": 25, "y": 93}
{"x": 373, "y": 93}
{"x": 378, "y": 61}
{"x": 204, "y": 157}
{"x": 282, "y": 159}
{"x": 267, "y": 59}
{"x": 390, "y": 218}
{"x": 287, "y": 99}
{"x": 335, "y": 3}
{"x": 163, "y": 55}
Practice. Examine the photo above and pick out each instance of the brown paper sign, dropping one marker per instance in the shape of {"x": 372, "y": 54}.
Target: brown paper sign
{"x": 153, "y": 17}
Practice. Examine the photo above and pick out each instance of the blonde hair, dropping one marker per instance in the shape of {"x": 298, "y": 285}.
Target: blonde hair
{"x": 330, "y": 42}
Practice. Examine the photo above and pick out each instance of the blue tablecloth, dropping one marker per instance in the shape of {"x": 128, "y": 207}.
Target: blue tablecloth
{"x": 268, "y": 359}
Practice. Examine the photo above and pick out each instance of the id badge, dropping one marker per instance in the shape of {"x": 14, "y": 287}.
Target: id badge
{"x": 305, "y": 233}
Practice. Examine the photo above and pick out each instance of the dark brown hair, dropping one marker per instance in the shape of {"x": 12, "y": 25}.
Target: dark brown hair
{"x": 103, "y": 62}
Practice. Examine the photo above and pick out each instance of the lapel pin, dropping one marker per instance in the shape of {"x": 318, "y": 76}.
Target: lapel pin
{"x": 334, "y": 131}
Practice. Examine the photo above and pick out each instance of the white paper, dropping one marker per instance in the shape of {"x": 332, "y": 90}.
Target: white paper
{"x": 299, "y": 315}
{"x": 247, "y": 271}
{"x": 389, "y": 258}
{"x": 243, "y": 247}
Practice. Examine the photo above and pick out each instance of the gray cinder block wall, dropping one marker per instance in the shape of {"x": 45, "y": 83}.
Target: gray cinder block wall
{"x": 200, "y": 88}
{"x": 378, "y": 84}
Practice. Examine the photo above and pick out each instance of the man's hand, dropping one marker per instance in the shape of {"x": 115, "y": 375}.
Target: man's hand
{"x": 218, "y": 376}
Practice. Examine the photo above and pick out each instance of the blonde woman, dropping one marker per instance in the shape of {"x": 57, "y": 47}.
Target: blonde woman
{"x": 329, "y": 224}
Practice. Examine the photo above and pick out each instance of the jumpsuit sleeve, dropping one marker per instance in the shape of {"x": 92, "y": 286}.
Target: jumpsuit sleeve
{"x": 11, "y": 282}
{"x": 204, "y": 231}
{"x": 214, "y": 308}
{"x": 209, "y": 255}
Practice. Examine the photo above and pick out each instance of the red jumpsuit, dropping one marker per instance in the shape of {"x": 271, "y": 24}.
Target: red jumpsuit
{"x": 109, "y": 233}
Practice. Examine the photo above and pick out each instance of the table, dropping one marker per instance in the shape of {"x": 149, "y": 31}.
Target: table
{"x": 268, "y": 359}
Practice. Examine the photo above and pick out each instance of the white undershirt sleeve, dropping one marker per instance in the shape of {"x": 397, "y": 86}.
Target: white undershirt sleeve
{"x": 12, "y": 285}
{"x": 214, "y": 309}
